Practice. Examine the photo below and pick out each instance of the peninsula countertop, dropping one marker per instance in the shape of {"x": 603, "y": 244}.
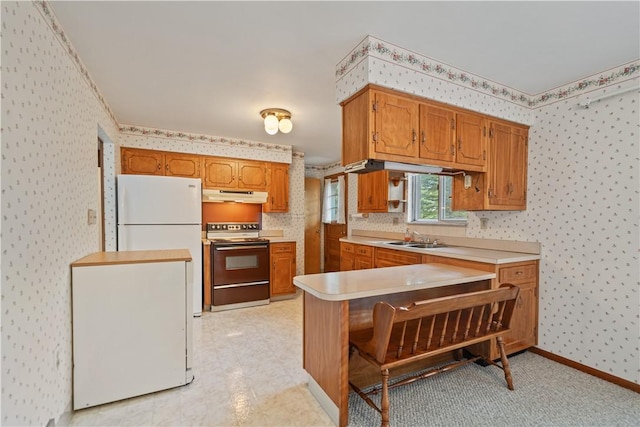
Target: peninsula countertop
{"x": 348, "y": 285}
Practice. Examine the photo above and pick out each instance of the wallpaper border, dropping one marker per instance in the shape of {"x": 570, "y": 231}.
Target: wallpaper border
{"x": 385, "y": 51}
{"x": 186, "y": 136}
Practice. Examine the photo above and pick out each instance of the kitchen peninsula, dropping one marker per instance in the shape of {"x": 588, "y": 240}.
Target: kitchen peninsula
{"x": 337, "y": 302}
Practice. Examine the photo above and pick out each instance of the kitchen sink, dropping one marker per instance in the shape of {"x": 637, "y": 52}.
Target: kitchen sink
{"x": 418, "y": 245}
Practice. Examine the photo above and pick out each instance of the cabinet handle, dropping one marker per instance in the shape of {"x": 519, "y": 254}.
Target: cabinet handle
{"x": 519, "y": 303}
{"x": 484, "y": 154}
{"x": 166, "y": 167}
{"x": 519, "y": 273}
{"x": 424, "y": 137}
{"x": 375, "y": 137}
{"x": 459, "y": 144}
{"x": 453, "y": 123}
{"x": 453, "y": 149}
{"x": 159, "y": 166}
{"x": 414, "y": 136}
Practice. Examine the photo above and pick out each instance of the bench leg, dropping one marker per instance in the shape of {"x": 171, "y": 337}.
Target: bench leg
{"x": 384, "y": 406}
{"x": 505, "y": 363}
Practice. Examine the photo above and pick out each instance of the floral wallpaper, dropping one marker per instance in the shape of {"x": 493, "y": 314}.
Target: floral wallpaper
{"x": 51, "y": 121}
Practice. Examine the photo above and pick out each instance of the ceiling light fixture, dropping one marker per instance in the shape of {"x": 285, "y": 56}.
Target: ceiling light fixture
{"x": 276, "y": 119}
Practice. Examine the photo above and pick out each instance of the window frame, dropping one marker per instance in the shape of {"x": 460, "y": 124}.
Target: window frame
{"x": 413, "y": 205}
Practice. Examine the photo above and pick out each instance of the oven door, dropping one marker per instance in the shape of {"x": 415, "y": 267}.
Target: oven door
{"x": 240, "y": 273}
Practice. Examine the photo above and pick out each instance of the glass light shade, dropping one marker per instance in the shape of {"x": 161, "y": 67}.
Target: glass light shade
{"x": 271, "y": 124}
{"x": 285, "y": 125}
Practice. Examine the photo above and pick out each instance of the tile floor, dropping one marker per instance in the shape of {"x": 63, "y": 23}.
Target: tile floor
{"x": 248, "y": 372}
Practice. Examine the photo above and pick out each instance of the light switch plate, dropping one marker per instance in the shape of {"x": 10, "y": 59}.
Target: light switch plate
{"x": 467, "y": 182}
{"x": 92, "y": 217}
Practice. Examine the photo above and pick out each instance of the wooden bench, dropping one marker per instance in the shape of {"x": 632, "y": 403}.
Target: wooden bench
{"x": 403, "y": 335}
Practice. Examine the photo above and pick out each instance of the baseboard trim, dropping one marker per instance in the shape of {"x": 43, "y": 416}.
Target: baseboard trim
{"x": 587, "y": 369}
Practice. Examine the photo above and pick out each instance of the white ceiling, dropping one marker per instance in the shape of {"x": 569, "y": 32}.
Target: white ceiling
{"x": 210, "y": 67}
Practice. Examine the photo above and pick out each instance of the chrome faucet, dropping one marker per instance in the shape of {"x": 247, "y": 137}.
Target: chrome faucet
{"x": 420, "y": 237}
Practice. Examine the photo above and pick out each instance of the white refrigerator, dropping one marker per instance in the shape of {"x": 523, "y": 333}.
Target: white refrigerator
{"x": 163, "y": 212}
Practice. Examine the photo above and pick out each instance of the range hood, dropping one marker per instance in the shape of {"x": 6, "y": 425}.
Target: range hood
{"x": 234, "y": 196}
{"x": 366, "y": 166}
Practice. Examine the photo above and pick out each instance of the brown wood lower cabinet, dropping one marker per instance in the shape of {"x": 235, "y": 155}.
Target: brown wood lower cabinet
{"x": 283, "y": 268}
{"x": 393, "y": 257}
{"x": 355, "y": 257}
{"x": 524, "y": 323}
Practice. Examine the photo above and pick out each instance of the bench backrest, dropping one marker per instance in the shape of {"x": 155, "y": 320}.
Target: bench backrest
{"x": 429, "y": 325}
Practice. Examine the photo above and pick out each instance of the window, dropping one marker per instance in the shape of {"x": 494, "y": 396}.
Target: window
{"x": 430, "y": 200}
{"x": 333, "y": 201}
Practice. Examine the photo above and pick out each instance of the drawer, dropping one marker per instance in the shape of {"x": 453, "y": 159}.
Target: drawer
{"x": 518, "y": 273}
{"x": 281, "y": 248}
{"x": 362, "y": 250}
{"x": 347, "y": 247}
{"x": 397, "y": 257}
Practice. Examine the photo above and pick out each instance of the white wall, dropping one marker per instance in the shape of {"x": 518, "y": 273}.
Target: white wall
{"x": 50, "y": 121}
{"x": 583, "y": 198}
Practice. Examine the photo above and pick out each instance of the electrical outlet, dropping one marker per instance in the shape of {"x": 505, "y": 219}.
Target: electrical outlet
{"x": 395, "y": 221}
{"x": 484, "y": 223}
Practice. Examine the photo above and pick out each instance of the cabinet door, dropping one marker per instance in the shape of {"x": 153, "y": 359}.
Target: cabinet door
{"x": 178, "y": 164}
{"x": 283, "y": 267}
{"x": 396, "y": 125}
{"x": 142, "y": 162}
{"x": 373, "y": 191}
{"x": 524, "y": 320}
{"x": 518, "y": 168}
{"x": 471, "y": 140}
{"x": 437, "y": 126}
{"x": 347, "y": 262}
{"x": 219, "y": 173}
{"x": 507, "y": 166}
{"x": 252, "y": 175}
{"x": 278, "y": 188}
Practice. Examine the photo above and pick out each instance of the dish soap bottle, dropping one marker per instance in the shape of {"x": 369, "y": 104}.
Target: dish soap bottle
{"x": 407, "y": 235}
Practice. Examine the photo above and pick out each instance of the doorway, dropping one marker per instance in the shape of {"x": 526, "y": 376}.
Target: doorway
{"x": 312, "y": 223}
{"x": 334, "y": 231}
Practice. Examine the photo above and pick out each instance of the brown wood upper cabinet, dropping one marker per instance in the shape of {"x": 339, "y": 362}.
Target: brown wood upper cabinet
{"x": 278, "y": 188}
{"x": 215, "y": 172}
{"x": 150, "y": 162}
{"x": 383, "y": 124}
{"x": 220, "y": 172}
{"x": 379, "y": 124}
{"x": 504, "y": 186}
{"x": 452, "y": 139}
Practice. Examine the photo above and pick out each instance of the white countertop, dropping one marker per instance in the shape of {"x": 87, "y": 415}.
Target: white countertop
{"x": 348, "y": 285}
{"x": 489, "y": 256}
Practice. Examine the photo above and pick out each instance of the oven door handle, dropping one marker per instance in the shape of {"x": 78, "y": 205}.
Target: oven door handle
{"x": 235, "y": 248}
{"x": 241, "y": 285}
